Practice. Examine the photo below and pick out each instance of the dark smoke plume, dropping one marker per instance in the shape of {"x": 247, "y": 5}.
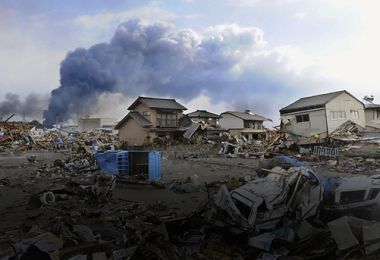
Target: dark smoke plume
{"x": 31, "y": 107}
{"x": 159, "y": 60}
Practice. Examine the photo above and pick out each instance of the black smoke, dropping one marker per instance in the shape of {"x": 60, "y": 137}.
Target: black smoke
{"x": 30, "y": 107}
{"x": 223, "y": 61}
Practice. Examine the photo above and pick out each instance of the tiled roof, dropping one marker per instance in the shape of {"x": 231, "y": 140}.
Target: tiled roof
{"x": 312, "y": 102}
{"x": 247, "y": 116}
{"x": 203, "y": 114}
{"x": 140, "y": 119}
{"x": 161, "y": 103}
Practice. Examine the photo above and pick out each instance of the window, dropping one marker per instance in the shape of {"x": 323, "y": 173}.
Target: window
{"x": 302, "y": 118}
{"x": 378, "y": 113}
{"x": 167, "y": 120}
{"x": 336, "y": 115}
{"x": 354, "y": 114}
{"x": 249, "y": 124}
{"x": 352, "y": 196}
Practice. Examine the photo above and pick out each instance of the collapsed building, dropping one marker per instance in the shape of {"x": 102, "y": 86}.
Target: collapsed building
{"x": 203, "y": 123}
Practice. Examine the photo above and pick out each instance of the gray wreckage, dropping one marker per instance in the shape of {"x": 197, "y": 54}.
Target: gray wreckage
{"x": 284, "y": 195}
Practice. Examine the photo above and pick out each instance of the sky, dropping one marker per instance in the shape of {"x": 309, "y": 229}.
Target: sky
{"x": 301, "y": 47}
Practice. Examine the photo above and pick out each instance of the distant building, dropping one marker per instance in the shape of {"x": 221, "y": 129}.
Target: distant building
{"x": 149, "y": 118}
{"x": 90, "y": 124}
{"x": 206, "y": 117}
{"x": 311, "y": 119}
{"x": 244, "y": 124}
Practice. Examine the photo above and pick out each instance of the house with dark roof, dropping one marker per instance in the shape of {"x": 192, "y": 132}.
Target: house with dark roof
{"x": 245, "y": 124}
{"x": 311, "y": 119}
{"x": 202, "y": 123}
{"x": 149, "y": 118}
{"x": 205, "y": 117}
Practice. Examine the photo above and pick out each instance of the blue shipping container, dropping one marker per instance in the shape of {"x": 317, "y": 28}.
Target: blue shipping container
{"x": 128, "y": 163}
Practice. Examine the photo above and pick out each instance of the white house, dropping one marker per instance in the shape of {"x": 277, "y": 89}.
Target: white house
{"x": 244, "y": 124}
{"x": 313, "y": 118}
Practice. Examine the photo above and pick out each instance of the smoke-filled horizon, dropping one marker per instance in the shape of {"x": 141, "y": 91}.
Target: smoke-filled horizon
{"x": 30, "y": 107}
{"x": 228, "y": 63}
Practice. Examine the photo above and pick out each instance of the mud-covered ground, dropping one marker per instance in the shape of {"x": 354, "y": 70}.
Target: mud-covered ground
{"x": 17, "y": 173}
{"x": 179, "y": 163}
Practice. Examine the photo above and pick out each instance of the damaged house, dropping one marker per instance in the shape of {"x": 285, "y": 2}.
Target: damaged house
{"x": 150, "y": 118}
{"x": 204, "y": 123}
{"x": 208, "y": 118}
{"x": 312, "y": 119}
{"x": 245, "y": 124}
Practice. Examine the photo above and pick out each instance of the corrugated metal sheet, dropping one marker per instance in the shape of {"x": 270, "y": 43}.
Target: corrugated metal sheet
{"x": 154, "y": 166}
{"x": 123, "y": 163}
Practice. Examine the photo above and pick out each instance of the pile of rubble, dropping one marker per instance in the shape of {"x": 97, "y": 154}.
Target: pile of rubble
{"x": 348, "y": 131}
{"x": 242, "y": 147}
{"x": 285, "y": 210}
{"x": 14, "y": 134}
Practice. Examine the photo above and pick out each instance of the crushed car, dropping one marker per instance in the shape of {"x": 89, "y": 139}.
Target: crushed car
{"x": 264, "y": 203}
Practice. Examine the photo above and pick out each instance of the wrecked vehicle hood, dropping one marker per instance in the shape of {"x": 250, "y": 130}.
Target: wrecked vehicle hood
{"x": 263, "y": 203}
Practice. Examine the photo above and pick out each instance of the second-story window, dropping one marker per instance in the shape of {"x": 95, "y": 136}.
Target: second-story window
{"x": 336, "y": 115}
{"x": 302, "y": 118}
{"x": 167, "y": 119}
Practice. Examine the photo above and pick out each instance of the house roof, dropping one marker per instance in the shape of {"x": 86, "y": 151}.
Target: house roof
{"x": 313, "y": 102}
{"x": 203, "y": 113}
{"x": 140, "y": 119}
{"x": 191, "y": 130}
{"x": 161, "y": 103}
{"x": 371, "y": 105}
{"x": 247, "y": 116}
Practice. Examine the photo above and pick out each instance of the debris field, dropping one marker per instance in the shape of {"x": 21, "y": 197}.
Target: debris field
{"x": 85, "y": 196}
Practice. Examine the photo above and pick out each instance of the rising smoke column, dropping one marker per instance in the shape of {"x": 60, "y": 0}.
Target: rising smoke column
{"x": 155, "y": 59}
{"x": 227, "y": 62}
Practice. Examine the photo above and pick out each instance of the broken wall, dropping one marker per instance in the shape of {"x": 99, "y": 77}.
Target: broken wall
{"x": 344, "y": 102}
